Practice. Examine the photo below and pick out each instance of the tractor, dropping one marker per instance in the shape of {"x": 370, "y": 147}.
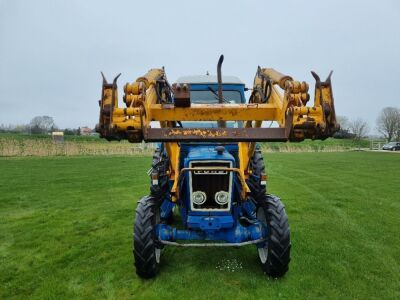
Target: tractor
{"x": 208, "y": 166}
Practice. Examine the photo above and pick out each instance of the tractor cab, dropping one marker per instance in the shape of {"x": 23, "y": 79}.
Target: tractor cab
{"x": 203, "y": 89}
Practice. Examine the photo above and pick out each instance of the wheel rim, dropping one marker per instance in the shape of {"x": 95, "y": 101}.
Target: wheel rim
{"x": 157, "y": 252}
{"x": 262, "y": 252}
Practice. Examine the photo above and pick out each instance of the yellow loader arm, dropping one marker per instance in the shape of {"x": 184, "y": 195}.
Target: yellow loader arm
{"x": 315, "y": 122}
{"x": 275, "y": 97}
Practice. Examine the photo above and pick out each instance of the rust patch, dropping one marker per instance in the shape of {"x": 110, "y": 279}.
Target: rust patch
{"x": 198, "y": 132}
{"x": 215, "y": 134}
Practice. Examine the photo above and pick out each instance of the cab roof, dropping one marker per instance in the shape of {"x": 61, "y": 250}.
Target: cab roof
{"x": 208, "y": 79}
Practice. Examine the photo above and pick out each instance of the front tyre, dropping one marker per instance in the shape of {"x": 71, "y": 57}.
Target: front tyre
{"x": 275, "y": 255}
{"x": 145, "y": 249}
{"x": 256, "y": 179}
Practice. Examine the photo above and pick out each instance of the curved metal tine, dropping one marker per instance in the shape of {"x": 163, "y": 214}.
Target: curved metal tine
{"x": 115, "y": 79}
{"x": 328, "y": 79}
{"x": 316, "y": 77}
{"x": 104, "y": 78}
{"x": 318, "y": 80}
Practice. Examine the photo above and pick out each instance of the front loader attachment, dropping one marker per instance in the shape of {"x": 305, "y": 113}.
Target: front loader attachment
{"x": 107, "y": 103}
{"x": 112, "y": 120}
{"x": 275, "y": 97}
{"x": 318, "y": 122}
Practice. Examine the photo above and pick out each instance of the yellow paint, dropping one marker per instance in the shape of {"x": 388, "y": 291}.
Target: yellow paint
{"x": 173, "y": 151}
{"x": 214, "y": 112}
{"x": 244, "y": 158}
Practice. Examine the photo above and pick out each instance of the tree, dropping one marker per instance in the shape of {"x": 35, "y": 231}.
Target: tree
{"x": 398, "y": 132}
{"x": 343, "y": 121}
{"x": 71, "y": 131}
{"x": 359, "y": 128}
{"x": 388, "y": 122}
{"x": 344, "y": 131}
{"x": 3, "y": 128}
{"x": 19, "y": 128}
{"x": 42, "y": 124}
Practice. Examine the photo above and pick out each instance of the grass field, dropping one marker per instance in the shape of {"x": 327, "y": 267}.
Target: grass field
{"x": 328, "y": 145}
{"x": 66, "y": 225}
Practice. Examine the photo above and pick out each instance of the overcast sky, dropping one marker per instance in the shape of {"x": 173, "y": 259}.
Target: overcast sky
{"x": 52, "y": 52}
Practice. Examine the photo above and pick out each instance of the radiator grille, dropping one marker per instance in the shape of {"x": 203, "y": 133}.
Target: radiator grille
{"x": 210, "y": 182}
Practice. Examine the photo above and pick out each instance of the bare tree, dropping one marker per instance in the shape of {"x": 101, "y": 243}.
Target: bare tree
{"x": 398, "y": 132}
{"x": 344, "y": 131}
{"x": 42, "y": 124}
{"x": 388, "y": 122}
{"x": 343, "y": 122}
{"x": 359, "y": 128}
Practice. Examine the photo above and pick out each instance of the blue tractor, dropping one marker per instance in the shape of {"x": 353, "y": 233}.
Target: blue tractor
{"x": 211, "y": 209}
{"x": 208, "y": 168}
{"x": 210, "y": 200}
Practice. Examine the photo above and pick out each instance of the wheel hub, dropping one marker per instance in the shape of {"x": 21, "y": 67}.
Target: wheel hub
{"x": 262, "y": 251}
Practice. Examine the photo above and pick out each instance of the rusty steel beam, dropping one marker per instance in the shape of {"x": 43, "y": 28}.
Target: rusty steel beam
{"x": 216, "y": 134}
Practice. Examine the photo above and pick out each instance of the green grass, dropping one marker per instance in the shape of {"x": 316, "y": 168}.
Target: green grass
{"x": 66, "y": 225}
{"x": 329, "y": 144}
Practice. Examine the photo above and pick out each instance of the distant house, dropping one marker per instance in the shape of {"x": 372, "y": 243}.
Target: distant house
{"x": 85, "y": 131}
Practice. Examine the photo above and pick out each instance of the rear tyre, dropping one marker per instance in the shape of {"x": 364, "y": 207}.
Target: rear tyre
{"x": 146, "y": 250}
{"x": 275, "y": 255}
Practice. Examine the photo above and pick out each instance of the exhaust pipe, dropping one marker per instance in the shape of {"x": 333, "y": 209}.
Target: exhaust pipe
{"x": 221, "y": 124}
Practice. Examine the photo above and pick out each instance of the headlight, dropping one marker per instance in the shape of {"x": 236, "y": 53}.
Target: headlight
{"x": 199, "y": 197}
{"x": 222, "y": 197}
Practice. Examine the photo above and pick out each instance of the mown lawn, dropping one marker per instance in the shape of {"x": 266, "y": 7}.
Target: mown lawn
{"x": 66, "y": 226}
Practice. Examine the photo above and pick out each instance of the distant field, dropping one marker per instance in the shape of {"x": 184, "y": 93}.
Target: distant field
{"x": 42, "y": 145}
{"x": 66, "y": 226}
